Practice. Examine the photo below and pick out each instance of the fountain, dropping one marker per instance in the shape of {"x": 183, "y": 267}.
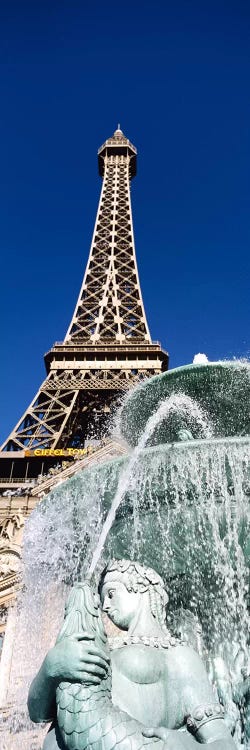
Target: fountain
{"x": 179, "y": 503}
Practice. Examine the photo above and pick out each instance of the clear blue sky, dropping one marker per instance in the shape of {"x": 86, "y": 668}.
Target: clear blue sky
{"x": 176, "y": 75}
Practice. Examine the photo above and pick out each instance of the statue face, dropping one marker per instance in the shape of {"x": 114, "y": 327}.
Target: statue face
{"x": 120, "y": 604}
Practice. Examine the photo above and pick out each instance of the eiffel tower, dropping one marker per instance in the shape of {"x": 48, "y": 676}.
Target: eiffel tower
{"x": 107, "y": 348}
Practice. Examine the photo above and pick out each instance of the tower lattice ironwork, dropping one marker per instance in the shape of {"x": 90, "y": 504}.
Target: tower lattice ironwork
{"x": 107, "y": 347}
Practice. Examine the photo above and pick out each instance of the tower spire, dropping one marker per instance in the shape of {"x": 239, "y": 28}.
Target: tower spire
{"x": 110, "y": 305}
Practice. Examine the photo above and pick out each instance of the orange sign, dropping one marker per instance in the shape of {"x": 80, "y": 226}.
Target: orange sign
{"x": 57, "y": 452}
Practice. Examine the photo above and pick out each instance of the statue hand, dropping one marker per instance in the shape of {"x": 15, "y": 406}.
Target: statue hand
{"x": 160, "y": 732}
{"x": 171, "y": 738}
{"x": 76, "y": 659}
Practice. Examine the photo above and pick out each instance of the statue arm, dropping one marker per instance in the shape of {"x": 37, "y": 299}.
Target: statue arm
{"x": 75, "y": 659}
{"x": 205, "y": 715}
{"x": 42, "y": 694}
{"x": 202, "y": 715}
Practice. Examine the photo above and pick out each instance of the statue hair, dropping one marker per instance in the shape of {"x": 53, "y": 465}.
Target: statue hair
{"x": 139, "y": 578}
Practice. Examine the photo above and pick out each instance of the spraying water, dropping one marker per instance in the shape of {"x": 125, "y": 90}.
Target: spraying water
{"x": 200, "y": 359}
{"x": 181, "y": 507}
{"x": 174, "y": 404}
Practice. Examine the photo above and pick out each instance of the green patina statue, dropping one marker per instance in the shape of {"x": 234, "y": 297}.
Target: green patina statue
{"x": 160, "y": 694}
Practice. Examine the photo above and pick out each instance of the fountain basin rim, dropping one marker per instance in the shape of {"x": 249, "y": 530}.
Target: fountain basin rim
{"x": 211, "y": 441}
{"x": 239, "y": 441}
{"x": 118, "y": 462}
{"x": 224, "y": 363}
{"x": 185, "y": 445}
{"x": 229, "y": 364}
{"x": 238, "y": 363}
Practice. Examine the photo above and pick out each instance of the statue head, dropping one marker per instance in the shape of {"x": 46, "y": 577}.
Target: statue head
{"x": 123, "y": 586}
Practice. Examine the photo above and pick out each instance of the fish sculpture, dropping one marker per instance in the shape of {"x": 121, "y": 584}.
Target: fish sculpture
{"x": 86, "y": 715}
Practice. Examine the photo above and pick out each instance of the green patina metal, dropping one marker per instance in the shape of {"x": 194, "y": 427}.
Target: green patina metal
{"x": 222, "y": 389}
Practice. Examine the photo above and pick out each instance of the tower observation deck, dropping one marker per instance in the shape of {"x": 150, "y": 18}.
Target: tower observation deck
{"x": 107, "y": 348}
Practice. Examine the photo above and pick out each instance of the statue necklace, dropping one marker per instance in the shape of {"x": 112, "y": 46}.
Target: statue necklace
{"x": 166, "y": 641}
